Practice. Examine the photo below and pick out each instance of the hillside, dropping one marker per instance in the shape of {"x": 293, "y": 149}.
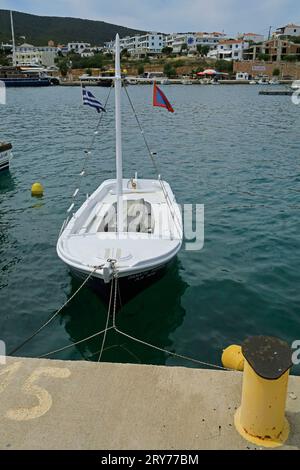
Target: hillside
{"x": 38, "y": 30}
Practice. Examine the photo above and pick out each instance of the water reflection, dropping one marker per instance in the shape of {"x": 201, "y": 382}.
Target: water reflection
{"x": 151, "y": 316}
{"x": 7, "y": 182}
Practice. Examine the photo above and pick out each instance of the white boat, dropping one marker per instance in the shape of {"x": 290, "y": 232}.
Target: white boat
{"x": 5, "y": 153}
{"x": 187, "y": 81}
{"x": 295, "y": 85}
{"x": 132, "y": 226}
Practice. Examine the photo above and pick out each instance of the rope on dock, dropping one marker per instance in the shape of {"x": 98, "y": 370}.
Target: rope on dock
{"x": 55, "y": 314}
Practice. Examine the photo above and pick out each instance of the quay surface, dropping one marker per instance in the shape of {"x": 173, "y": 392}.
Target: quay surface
{"x": 50, "y": 404}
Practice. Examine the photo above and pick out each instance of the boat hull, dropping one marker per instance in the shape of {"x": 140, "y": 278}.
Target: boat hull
{"x": 26, "y": 82}
{"x": 128, "y": 286}
{"x": 4, "y": 161}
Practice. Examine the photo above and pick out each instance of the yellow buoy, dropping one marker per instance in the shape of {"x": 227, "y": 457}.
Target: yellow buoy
{"x": 232, "y": 358}
{"x": 37, "y": 190}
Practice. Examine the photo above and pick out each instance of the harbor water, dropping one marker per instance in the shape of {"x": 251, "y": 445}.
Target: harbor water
{"x": 226, "y": 147}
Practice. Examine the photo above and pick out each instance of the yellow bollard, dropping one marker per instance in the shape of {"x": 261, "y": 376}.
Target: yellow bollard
{"x": 232, "y": 358}
{"x": 37, "y": 190}
{"x": 261, "y": 417}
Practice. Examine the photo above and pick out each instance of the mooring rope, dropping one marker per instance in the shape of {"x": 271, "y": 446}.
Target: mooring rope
{"x": 145, "y": 343}
{"x": 113, "y": 296}
{"x": 107, "y": 320}
{"x": 55, "y": 314}
{"x": 74, "y": 344}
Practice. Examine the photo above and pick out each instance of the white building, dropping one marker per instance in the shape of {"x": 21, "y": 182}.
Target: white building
{"x": 26, "y": 54}
{"x": 254, "y": 37}
{"x": 288, "y": 30}
{"x": 190, "y": 41}
{"x": 5, "y": 46}
{"x": 78, "y": 47}
{"x": 232, "y": 49}
{"x": 209, "y": 39}
{"x": 87, "y": 53}
{"x": 150, "y": 43}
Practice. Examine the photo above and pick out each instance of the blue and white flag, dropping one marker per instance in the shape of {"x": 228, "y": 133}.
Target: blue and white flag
{"x": 89, "y": 99}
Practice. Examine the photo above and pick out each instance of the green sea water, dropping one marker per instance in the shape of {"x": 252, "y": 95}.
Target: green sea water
{"x": 226, "y": 147}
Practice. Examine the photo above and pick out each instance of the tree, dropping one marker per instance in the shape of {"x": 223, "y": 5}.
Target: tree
{"x": 224, "y": 66}
{"x": 169, "y": 70}
{"x": 183, "y": 47}
{"x": 88, "y": 72}
{"x": 203, "y": 50}
{"x": 141, "y": 69}
{"x": 276, "y": 72}
{"x": 63, "y": 66}
{"x": 125, "y": 53}
{"x": 167, "y": 50}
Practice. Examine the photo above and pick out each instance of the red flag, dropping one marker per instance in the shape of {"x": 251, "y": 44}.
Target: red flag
{"x": 160, "y": 99}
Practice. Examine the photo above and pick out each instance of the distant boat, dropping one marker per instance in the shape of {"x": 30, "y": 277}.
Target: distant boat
{"x": 25, "y": 77}
{"x": 132, "y": 224}
{"x": 5, "y": 153}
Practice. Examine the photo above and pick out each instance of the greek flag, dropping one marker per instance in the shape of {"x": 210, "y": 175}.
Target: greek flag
{"x": 89, "y": 99}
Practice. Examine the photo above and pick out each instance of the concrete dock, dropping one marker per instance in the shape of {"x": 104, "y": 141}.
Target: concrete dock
{"x": 49, "y": 404}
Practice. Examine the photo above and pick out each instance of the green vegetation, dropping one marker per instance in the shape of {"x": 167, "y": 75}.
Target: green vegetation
{"x": 141, "y": 69}
{"x": 264, "y": 57}
{"x": 167, "y": 50}
{"x": 178, "y": 63}
{"x": 203, "y": 50}
{"x": 225, "y": 66}
{"x": 4, "y": 59}
{"x": 276, "y": 72}
{"x": 40, "y": 29}
{"x": 291, "y": 57}
{"x": 63, "y": 65}
{"x": 169, "y": 70}
{"x": 77, "y": 62}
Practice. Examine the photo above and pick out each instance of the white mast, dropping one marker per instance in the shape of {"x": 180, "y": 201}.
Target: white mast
{"x": 13, "y": 38}
{"x": 119, "y": 166}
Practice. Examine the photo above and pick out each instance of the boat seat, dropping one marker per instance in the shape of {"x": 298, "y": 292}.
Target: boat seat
{"x": 138, "y": 218}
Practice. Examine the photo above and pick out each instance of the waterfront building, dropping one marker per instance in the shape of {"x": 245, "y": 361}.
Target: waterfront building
{"x": 276, "y": 49}
{"x": 189, "y": 41}
{"x": 150, "y": 43}
{"x": 231, "y": 49}
{"x": 27, "y": 54}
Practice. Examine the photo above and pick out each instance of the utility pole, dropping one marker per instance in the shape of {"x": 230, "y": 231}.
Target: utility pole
{"x": 13, "y": 38}
{"x": 269, "y": 35}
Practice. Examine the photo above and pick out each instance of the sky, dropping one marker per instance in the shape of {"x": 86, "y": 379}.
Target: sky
{"x": 231, "y": 16}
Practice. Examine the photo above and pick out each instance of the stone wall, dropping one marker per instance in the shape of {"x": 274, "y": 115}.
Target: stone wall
{"x": 287, "y": 69}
